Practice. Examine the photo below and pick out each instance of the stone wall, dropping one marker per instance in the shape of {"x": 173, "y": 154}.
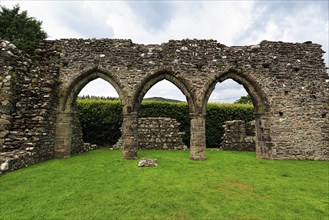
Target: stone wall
{"x": 239, "y": 136}
{"x": 5, "y": 107}
{"x": 11, "y": 65}
{"x": 157, "y": 133}
{"x": 77, "y": 135}
{"x": 287, "y": 82}
{"x": 28, "y": 106}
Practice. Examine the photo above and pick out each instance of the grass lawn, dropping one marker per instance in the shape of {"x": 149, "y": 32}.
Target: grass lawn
{"x": 228, "y": 185}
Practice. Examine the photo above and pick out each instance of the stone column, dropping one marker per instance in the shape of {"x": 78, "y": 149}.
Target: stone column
{"x": 264, "y": 145}
{"x": 129, "y": 135}
{"x": 63, "y": 135}
{"x": 198, "y": 137}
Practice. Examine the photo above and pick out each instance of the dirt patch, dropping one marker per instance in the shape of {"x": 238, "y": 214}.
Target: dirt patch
{"x": 231, "y": 183}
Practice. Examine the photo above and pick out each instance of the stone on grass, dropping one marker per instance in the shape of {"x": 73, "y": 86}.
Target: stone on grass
{"x": 4, "y": 166}
{"x": 147, "y": 162}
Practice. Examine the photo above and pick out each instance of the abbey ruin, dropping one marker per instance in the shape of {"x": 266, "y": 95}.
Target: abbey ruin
{"x": 39, "y": 120}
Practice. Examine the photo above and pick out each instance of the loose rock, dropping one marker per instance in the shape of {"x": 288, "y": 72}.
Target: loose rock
{"x": 147, "y": 162}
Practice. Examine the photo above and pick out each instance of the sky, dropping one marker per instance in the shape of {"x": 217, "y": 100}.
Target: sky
{"x": 231, "y": 23}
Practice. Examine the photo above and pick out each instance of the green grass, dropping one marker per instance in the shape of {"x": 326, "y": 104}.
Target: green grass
{"x": 228, "y": 185}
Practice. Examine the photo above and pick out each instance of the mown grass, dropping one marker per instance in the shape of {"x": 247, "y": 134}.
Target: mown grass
{"x": 228, "y": 185}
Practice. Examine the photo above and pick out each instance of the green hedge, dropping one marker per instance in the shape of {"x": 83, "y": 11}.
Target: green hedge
{"x": 216, "y": 116}
{"x": 102, "y": 119}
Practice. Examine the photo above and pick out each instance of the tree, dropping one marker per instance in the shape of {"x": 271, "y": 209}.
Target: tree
{"x": 244, "y": 100}
{"x": 20, "y": 29}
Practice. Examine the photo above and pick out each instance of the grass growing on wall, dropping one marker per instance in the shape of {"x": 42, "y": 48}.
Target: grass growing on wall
{"x": 228, "y": 185}
{"x": 101, "y": 118}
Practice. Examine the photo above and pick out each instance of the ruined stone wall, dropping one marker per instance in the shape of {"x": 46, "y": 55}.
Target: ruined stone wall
{"x": 285, "y": 80}
{"x": 239, "y": 136}
{"x": 30, "y": 105}
{"x": 298, "y": 107}
{"x": 157, "y": 133}
{"x": 11, "y": 66}
{"x": 77, "y": 140}
{"x": 5, "y": 106}
{"x": 47, "y": 94}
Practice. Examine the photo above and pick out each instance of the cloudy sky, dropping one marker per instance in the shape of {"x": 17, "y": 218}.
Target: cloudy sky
{"x": 149, "y": 22}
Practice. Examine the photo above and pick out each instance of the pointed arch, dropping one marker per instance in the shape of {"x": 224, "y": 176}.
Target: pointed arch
{"x": 68, "y": 130}
{"x": 254, "y": 90}
{"x": 151, "y": 80}
{"x": 78, "y": 83}
{"x": 261, "y": 105}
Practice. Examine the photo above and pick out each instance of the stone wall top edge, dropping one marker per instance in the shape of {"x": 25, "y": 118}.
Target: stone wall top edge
{"x": 187, "y": 40}
{"x": 130, "y": 40}
{"x": 264, "y": 43}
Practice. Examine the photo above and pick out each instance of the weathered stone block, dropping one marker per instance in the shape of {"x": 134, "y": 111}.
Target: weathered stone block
{"x": 147, "y": 162}
{"x": 156, "y": 133}
{"x": 239, "y": 136}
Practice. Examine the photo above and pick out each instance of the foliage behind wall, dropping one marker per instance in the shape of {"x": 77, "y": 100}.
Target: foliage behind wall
{"x": 101, "y": 119}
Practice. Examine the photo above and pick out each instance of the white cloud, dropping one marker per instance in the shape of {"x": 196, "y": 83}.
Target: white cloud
{"x": 123, "y": 21}
{"x": 85, "y": 18}
{"x": 305, "y": 22}
{"x": 203, "y": 20}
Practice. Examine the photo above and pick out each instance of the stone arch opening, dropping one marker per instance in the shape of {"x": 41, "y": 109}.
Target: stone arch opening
{"x": 68, "y": 128}
{"x": 261, "y": 108}
{"x": 150, "y": 81}
{"x": 95, "y": 129}
{"x": 228, "y": 92}
{"x": 165, "y": 89}
{"x": 76, "y": 85}
{"x": 253, "y": 89}
{"x": 98, "y": 88}
{"x": 158, "y": 127}
{"x": 142, "y": 89}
